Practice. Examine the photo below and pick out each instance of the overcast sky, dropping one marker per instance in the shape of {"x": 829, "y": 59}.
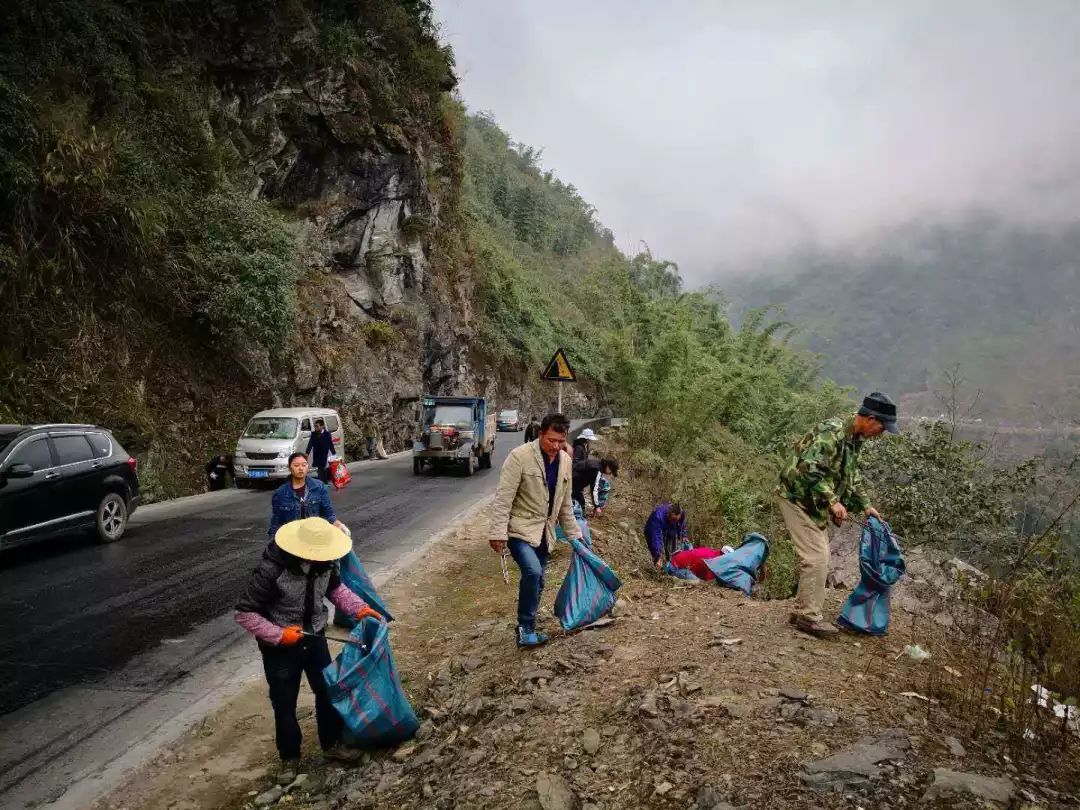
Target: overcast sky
{"x": 720, "y": 132}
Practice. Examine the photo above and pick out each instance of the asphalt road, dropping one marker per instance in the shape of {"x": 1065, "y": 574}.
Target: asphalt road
{"x": 72, "y": 612}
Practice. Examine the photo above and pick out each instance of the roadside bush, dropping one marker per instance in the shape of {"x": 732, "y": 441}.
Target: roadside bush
{"x": 380, "y": 334}
{"x": 1012, "y": 522}
{"x": 245, "y": 268}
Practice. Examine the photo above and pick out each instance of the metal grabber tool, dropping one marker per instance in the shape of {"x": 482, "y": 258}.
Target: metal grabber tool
{"x": 359, "y": 644}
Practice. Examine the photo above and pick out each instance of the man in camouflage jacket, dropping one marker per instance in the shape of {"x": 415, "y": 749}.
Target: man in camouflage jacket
{"x": 822, "y": 483}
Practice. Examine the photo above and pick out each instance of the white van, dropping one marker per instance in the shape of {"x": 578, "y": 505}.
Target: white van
{"x": 262, "y": 453}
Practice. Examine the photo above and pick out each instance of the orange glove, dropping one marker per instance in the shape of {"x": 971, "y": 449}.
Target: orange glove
{"x": 366, "y": 611}
{"x": 291, "y": 635}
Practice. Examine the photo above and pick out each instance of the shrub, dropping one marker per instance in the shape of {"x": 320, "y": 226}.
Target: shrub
{"x": 379, "y": 334}
{"x": 245, "y": 268}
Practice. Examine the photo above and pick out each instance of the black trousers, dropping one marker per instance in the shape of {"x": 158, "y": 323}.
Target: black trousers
{"x": 283, "y": 667}
{"x": 579, "y": 498}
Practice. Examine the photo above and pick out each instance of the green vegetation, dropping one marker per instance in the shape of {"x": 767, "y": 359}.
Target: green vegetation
{"x": 1018, "y": 525}
{"x": 137, "y": 267}
{"x": 714, "y": 409}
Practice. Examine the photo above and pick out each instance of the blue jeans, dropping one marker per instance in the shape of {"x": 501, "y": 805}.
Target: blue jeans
{"x": 532, "y": 562}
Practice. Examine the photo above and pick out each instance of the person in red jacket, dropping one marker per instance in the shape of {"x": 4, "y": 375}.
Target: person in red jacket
{"x": 694, "y": 560}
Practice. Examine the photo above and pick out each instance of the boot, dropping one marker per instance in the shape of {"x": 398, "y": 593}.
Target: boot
{"x": 340, "y": 752}
{"x": 819, "y": 628}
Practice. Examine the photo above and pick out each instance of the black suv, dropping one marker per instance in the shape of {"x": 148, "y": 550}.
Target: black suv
{"x": 59, "y": 478}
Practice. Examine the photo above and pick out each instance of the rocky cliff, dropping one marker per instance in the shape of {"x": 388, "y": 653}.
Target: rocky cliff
{"x": 325, "y": 260}
{"x": 383, "y": 316}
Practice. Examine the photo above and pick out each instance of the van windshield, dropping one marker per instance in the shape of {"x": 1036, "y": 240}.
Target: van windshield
{"x": 271, "y": 427}
{"x": 508, "y": 415}
{"x": 459, "y": 416}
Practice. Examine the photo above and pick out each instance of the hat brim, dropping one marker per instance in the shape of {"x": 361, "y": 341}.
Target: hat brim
{"x": 891, "y": 427}
{"x": 333, "y": 542}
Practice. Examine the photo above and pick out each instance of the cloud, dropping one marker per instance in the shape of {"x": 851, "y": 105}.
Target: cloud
{"x": 724, "y": 132}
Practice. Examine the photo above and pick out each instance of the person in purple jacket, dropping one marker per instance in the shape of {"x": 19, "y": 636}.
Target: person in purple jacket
{"x": 665, "y": 531}
{"x": 283, "y": 607}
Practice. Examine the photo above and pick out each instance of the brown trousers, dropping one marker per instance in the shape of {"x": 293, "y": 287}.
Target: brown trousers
{"x": 812, "y": 546}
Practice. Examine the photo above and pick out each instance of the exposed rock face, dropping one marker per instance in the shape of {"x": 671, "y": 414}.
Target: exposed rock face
{"x": 377, "y": 324}
{"x": 336, "y": 114}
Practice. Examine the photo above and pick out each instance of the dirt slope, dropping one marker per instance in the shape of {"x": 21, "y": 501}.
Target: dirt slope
{"x": 694, "y": 696}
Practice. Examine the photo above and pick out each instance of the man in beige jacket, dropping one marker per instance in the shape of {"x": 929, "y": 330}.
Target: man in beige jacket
{"x": 534, "y": 495}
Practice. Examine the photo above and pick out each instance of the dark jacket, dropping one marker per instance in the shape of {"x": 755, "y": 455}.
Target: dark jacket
{"x": 581, "y": 449}
{"x": 281, "y": 591}
{"x": 320, "y": 445}
{"x": 285, "y": 507}
{"x": 219, "y": 469}
{"x": 659, "y": 529}
{"x": 532, "y": 432}
{"x": 587, "y": 475}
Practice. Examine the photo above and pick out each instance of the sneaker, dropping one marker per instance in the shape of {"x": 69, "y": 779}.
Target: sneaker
{"x": 343, "y": 753}
{"x": 530, "y": 638}
{"x": 819, "y": 628}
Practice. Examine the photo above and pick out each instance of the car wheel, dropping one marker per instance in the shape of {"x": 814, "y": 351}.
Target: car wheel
{"x": 111, "y": 518}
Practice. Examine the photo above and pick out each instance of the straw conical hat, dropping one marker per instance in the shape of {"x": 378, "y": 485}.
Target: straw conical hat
{"x": 313, "y": 539}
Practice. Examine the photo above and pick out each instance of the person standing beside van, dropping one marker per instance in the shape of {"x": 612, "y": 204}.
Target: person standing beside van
{"x": 300, "y": 497}
{"x": 320, "y": 447}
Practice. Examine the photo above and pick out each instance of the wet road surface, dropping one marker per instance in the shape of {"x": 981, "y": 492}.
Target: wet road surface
{"x": 72, "y": 612}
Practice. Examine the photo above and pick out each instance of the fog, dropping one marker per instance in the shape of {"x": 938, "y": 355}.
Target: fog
{"x": 723, "y": 133}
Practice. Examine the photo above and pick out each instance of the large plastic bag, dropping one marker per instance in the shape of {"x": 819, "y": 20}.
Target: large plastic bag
{"x": 356, "y": 579}
{"x": 587, "y": 591}
{"x": 364, "y": 686}
{"x": 739, "y": 569}
{"x": 579, "y": 516}
{"x": 881, "y": 564}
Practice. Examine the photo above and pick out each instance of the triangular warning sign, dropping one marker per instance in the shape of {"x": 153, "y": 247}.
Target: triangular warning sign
{"x": 558, "y": 370}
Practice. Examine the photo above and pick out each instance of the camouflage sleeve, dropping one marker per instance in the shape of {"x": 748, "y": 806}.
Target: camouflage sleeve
{"x": 857, "y": 500}
{"x": 817, "y": 467}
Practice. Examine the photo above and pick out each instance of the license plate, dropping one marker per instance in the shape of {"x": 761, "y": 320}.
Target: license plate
{"x": 259, "y": 474}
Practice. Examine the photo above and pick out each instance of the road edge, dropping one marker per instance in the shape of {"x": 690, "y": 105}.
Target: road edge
{"x": 90, "y": 787}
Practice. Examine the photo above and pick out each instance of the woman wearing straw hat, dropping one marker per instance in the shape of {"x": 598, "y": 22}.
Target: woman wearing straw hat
{"x": 283, "y": 608}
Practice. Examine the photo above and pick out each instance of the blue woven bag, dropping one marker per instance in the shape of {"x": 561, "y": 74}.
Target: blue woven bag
{"x": 356, "y": 579}
{"x": 579, "y": 516}
{"x": 881, "y": 564}
{"x": 588, "y": 590}
{"x": 364, "y": 686}
{"x": 739, "y": 569}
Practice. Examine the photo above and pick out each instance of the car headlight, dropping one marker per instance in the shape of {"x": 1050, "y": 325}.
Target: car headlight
{"x": 283, "y": 454}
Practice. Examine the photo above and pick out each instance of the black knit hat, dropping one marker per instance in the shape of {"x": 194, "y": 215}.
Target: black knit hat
{"x": 880, "y": 407}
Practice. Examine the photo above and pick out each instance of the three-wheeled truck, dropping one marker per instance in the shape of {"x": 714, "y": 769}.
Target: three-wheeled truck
{"x": 454, "y": 432}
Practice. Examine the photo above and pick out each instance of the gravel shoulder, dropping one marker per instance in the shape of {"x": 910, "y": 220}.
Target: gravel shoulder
{"x": 693, "y": 696}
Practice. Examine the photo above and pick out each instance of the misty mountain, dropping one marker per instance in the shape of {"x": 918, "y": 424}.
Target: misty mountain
{"x": 894, "y": 314}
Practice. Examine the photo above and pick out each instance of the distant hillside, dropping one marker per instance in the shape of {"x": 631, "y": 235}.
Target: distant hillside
{"x": 999, "y": 300}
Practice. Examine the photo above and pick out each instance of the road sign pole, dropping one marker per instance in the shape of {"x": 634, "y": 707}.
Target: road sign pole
{"x": 558, "y": 371}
